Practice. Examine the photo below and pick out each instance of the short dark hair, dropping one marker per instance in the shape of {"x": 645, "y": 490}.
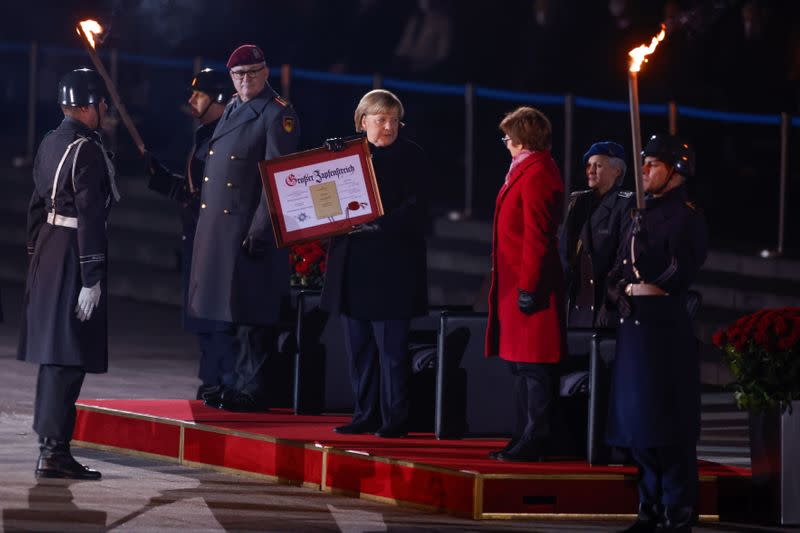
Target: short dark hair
{"x": 529, "y": 127}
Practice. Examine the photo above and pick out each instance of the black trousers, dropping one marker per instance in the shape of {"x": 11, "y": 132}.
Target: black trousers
{"x": 218, "y": 354}
{"x": 57, "y": 390}
{"x": 534, "y": 393}
{"x": 667, "y": 475}
{"x": 380, "y": 370}
{"x": 256, "y": 345}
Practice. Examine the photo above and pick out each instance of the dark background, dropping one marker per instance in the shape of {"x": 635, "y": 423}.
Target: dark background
{"x": 725, "y": 55}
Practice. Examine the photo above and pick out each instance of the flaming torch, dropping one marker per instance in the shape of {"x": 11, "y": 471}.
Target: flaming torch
{"x": 88, "y": 29}
{"x": 638, "y": 56}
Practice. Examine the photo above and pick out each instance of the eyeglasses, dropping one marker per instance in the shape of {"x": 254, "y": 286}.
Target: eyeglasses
{"x": 382, "y": 120}
{"x": 504, "y": 139}
{"x": 240, "y": 74}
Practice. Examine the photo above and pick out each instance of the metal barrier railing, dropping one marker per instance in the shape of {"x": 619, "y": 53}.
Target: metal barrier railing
{"x": 469, "y": 92}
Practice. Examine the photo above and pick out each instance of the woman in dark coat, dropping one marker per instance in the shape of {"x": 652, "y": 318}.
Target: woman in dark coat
{"x": 526, "y": 319}
{"x": 376, "y": 275}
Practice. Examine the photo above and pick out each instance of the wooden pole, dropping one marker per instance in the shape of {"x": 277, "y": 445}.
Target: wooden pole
{"x": 633, "y": 93}
{"x": 112, "y": 90}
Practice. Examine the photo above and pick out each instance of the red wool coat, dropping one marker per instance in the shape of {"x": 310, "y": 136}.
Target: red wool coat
{"x": 525, "y": 256}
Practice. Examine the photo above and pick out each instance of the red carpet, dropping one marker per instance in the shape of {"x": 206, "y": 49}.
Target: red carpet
{"x": 453, "y": 476}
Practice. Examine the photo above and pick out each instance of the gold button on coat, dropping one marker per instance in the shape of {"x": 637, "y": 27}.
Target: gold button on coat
{"x": 202, "y": 206}
{"x": 229, "y": 184}
{"x": 205, "y": 178}
{"x": 226, "y": 211}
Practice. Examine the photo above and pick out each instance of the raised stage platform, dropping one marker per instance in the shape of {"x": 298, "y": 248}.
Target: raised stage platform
{"x": 453, "y": 476}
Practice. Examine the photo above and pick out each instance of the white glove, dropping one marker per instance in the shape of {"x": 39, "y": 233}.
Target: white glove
{"x": 88, "y": 299}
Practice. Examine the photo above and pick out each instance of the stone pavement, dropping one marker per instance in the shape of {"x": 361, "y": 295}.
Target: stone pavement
{"x": 152, "y": 358}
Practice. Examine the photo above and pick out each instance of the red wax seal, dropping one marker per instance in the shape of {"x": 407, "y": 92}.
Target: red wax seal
{"x": 353, "y": 206}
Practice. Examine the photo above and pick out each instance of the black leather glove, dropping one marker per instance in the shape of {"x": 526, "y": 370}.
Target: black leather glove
{"x": 525, "y": 302}
{"x": 254, "y": 246}
{"x": 367, "y": 227}
{"x": 637, "y": 226}
{"x": 152, "y": 165}
{"x": 334, "y": 144}
{"x": 617, "y": 296}
{"x": 162, "y": 180}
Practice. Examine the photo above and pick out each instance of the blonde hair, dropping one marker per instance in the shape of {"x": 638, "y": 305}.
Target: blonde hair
{"x": 375, "y": 102}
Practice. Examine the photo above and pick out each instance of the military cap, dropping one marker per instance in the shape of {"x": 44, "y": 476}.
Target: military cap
{"x": 247, "y": 54}
{"x": 607, "y": 148}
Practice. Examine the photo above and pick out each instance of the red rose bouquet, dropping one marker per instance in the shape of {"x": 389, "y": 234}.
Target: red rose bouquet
{"x": 762, "y": 351}
{"x": 308, "y": 264}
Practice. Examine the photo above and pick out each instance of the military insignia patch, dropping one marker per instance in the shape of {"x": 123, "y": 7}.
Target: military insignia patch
{"x": 282, "y": 101}
{"x": 288, "y": 124}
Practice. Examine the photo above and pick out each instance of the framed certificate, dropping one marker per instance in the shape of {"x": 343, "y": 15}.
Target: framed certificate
{"x": 319, "y": 193}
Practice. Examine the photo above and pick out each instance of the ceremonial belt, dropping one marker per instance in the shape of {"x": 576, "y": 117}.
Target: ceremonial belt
{"x": 60, "y": 220}
{"x": 644, "y": 289}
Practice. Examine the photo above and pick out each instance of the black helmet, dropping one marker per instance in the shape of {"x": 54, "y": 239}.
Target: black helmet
{"x": 672, "y": 151}
{"x": 81, "y": 87}
{"x": 214, "y": 83}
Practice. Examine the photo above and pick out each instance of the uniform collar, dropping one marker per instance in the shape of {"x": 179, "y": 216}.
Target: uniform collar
{"x": 77, "y": 126}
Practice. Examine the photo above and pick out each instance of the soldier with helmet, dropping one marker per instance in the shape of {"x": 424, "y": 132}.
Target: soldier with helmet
{"x": 209, "y": 90}
{"x": 64, "y": 322}
{"x": 654, "y": 409}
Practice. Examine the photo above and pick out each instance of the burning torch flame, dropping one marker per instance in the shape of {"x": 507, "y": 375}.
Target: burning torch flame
{"x": 90, "y": 29}
{"x": 640, "y": 53}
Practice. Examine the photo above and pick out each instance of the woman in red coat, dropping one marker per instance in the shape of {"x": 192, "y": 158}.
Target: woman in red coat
{"x": 526, "y": 322}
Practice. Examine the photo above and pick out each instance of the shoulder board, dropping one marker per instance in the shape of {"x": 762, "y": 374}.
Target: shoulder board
{"x": 575, "y": 194}
{"x": 625, "y": 194}
{"x": 282, "y": 101}
{"x": 691, "y": 205}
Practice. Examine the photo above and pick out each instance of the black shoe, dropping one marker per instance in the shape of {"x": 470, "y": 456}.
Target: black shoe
{"x": 213, "y": 398}
{"x": 355, "y": 428}
{"x": 204, "y": 390}
{"x": 56, "y": 461}
{"x": 391, "y": 433}
{"x": 524, "y": 451}
{"x": 494, "y": 453}
{"x": 241, "y": 402}
{"x": 678, "y": 519}
{"x": 648, "y": 520}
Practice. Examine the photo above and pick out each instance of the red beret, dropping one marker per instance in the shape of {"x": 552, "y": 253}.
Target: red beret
{"x": 247, "y": 54}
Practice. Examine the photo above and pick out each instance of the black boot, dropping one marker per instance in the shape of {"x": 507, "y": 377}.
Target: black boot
{"x": 678, "y": 519}
{"x": 510, "y": 444}
{"x": 56, "y": 461}
{"x": 647, "y": 520}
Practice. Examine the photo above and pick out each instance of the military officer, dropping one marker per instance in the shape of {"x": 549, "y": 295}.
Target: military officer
{"x": 238, "y": 275}
{"x": 655, "y": 391}
{"x": 210, "y": 91}
{"x": 596, "y": 218}
{"x": 64, "y": 324}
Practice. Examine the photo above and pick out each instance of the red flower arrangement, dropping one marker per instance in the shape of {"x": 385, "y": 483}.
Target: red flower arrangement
{"x": 308, "y": 264}
{"x": 763, "y": 352}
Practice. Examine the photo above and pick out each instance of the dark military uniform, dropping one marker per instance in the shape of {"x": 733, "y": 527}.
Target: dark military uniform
{"x": 228, "y": 284}
{"x": 73, "y": 194}
{"x": 655, "y": 393}
{"x": 377, "y": 281}
{"x": 589, "y": 243}
{"x": 217, "y": 339}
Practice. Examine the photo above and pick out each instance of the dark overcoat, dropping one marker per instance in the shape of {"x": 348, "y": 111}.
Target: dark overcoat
{"x": 527, "y": 213}
{"x": 64, "y": 258}
{"x": 226, "y": 283}
{"x": 382, "y": 275}
{"x": 655, "y": 388}
{"x": 589, "y": 242}
{"x": 186, "y": 190}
